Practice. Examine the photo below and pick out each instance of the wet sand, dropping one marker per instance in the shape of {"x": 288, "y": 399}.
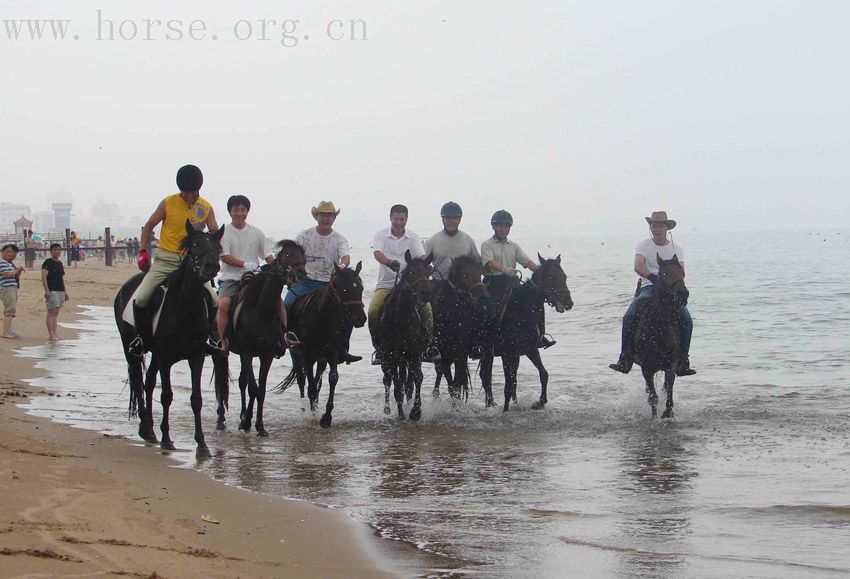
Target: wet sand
{"x": 76, "y": 502}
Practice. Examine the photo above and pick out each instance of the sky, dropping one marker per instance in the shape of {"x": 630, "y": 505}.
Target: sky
{"x": 578, "y": 117}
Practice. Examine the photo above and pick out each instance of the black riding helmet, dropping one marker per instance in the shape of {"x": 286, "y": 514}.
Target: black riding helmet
{"x": 502, "y": 216}
{"x": 451, "y": 209}
{"x": 189, "y": 178}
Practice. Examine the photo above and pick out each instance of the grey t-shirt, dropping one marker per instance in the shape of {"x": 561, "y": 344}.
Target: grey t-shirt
{"x": 445, "y": 247}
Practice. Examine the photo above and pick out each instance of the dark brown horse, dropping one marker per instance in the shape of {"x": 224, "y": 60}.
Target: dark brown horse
{"x": 254, "y": 326}
{"x": 457, "y": 319}
{"x": 518, "y": 331}
{"x": 321, "y": 319}
{"x": 401, "y": 337}
{"x": 184, "y": 327}
{"x": 657, "y": 335}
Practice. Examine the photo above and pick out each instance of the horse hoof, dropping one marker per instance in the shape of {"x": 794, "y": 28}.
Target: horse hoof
{"x": 203, "y": 452}
{"x": 262, "y": 433}
{"x": 167, "y": 445}
{"x": 415, "y": 414}
{"x": 220, "y": 426}
{"x": 539, "y": 405}
{"x": 667, "y": 414}
{"x": 325, "y": 422}
{"x": 387, "y": 410}
{"x": 436, "y": 393}
{"x": 245, "y": 426}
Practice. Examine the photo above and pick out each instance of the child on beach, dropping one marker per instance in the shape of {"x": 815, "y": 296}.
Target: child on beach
{"x": 55, "y": 295}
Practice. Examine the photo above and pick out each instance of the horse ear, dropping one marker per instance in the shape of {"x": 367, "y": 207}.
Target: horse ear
{"x": 189, "y": 229}
{"x": 675, "y": 259}
{"x": 218, "y": 234}
{"x": 358, "y": 267}
{"x": 558, "y": 259}
{"x": 428, "y": 258}
{"x": 540, "y": 258}
{"x": 407, "y": 257}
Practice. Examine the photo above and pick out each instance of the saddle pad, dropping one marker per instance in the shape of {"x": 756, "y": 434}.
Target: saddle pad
{"x": 127, "y": 316}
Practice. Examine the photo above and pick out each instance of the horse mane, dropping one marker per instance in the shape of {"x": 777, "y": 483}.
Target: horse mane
{"x": 462, "y": 262}
{"x": 288, "y": 244}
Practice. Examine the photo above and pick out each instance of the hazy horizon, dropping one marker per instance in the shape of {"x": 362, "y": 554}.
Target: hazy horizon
{"x": 576, "y": 117}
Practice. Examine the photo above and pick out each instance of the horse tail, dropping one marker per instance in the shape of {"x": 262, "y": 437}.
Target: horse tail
{"x": 221, "y": 377}
{"x": 287, "y": 382}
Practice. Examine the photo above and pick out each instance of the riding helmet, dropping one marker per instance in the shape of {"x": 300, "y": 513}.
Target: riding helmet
{"x": 189, "y": 178}
{"x": 502, "y": 216}
{"x": 451, "y": 209}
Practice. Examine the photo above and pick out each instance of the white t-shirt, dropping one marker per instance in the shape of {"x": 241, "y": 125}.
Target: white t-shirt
{"x": 650, "y": 251}
{"x": 322, "y": 252}
{"x": 246, "y": 244}
{"x": 394, "y": 248}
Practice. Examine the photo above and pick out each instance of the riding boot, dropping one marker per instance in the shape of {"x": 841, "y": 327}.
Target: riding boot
{"x": 350, "y": 358}
{"x": 684, "y": 367}
{"x": 545, "y": 340}
{"x": 143, "y": 333}
{"x": 624, "y": 364}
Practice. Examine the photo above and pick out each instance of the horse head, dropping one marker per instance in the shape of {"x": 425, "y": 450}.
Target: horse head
{"x": 465, "y": 276}
{"x": 416, "y": 275}
{"x": 202, "y": 251}
{"x": 552, "y": 280}
{"x": 290, "y": 261}
{"x": 347, "y": 289}
{"x": 671, "y": 278}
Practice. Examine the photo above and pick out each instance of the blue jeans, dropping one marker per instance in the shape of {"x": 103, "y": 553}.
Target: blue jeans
{"x": 630, "y": 321}
{"x": 302, "y": 288}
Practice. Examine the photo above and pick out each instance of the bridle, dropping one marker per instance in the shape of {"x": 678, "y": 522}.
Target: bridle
{"x": 335, "y": 297}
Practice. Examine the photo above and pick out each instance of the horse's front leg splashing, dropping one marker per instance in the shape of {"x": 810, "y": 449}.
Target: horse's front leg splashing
{"x": 333, "y": 376}
{"x": 649, "y": 377}
{"x": 387, "y": 369}
{"x": 669, "y": 378}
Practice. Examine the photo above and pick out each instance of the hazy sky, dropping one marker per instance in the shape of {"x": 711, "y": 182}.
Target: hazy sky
{"x": 575, "y": 116}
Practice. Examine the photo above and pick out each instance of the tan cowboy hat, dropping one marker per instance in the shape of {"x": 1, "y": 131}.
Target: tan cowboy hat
{"x": 324, "y": 207}
{"x": 660, "y": 217}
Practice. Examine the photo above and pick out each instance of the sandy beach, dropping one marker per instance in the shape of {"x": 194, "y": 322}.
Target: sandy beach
{"x": 80, "y": 503}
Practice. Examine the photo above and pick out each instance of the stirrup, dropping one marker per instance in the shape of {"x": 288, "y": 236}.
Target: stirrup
{"x": 377, "y": 358}
{"x": 136, "y": 347}
{"x": 213, "y": 346}
{"x": 476, "y": 352}
{"x": 431, "y": 354}
{"x": 546, "y": 341}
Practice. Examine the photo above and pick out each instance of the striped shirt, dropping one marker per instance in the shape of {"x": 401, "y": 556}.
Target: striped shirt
{"x": 5, "y": 266}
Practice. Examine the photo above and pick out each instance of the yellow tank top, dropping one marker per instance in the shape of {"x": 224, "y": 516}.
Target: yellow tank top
{"x": 176, "y": 213}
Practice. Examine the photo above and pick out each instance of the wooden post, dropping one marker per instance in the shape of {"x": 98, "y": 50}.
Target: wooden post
{"x": 68, "y": 245}
{"x": 107, "y": 244}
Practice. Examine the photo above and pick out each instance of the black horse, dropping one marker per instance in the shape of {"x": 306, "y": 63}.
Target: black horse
{"x": 458, "y": 315}
{"x": 518, "y": 333}
{"x": 401, "y": 337}
{"x": 322, "y": 319}
{"x": 657, "y": 335}
{"x": 254, "y": 326}
{"x": 185, "y": 322}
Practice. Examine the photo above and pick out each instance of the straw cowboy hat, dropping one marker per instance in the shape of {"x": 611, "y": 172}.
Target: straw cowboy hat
{"x": 324, "y": 207}
{"x": 660, "y": 217}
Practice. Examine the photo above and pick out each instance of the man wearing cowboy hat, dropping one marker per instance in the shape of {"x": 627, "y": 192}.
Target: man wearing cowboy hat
{"x": 324, "y": 248}
{"x": 646, "y": 266}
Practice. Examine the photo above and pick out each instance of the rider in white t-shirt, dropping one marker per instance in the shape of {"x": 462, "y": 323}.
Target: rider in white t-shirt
{"x": 646, "y": 266}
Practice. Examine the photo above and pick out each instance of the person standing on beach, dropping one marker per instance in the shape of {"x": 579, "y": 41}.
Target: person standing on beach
{"x": 10, "y": 282}
{"x": 324, "y": 248}
{"x": 646, "y": 266}
{"x": 172, "y": 212}
{"x": 449, "y": 243}
{"x": 55, "y": 294}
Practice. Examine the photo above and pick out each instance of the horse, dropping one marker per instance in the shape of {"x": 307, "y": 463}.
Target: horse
{"x": 518, "y": 333}
{"x": 457, "y": 314}
{"x": 254, "y": 327}
{"x": 185, "y": 321}
{"x": 401, "y": 337}
{"x": 657, "y": 335}
{"x": 321, "y": 320}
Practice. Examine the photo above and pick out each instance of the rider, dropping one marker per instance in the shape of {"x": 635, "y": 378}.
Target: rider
{"x": 390, "y": 245}
{"x": 646, "y": 266}
{"x": 243, "y": 246}
{"x": 449, "y": 243}
{"x": 172, "y": 212}
{"x": 500, "y": 257}
{"x": 324, "y": 248}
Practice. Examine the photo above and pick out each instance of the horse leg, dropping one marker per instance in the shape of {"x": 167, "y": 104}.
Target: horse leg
{"x": 404, "y": 376}
{"x": 649, "y": 378}
{"x": 333, "y": 376}
{"x": 165, "y": 397}
{"x": 312, "y": 389}
{"x": 221, "y": 375}
{"x": 438, "y": 370}
{"x": 486, "y": 375}
{"x": 669, "y": 378}
{"x": 150, "y": 384}
{"x": 196, "y": 365}
{"x": 398, "y": 385}
{"x": 246, "y": 375}
{"x": 387, "y": 369}
{"x": 137, "y": 389}
{"x": 510, "y": 363}
{"x": 534, "y": 356}
{"x": 462, "y": 370}
{"x": 265, "y": 366}
{"x": 414, "y": 371}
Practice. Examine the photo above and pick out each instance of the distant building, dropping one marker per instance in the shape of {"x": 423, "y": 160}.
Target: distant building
{"x": 11, "y": 212}
{"x": 61, "y": 216}
{"x": 42, "y": 221}
{"x": 106, "y": 214}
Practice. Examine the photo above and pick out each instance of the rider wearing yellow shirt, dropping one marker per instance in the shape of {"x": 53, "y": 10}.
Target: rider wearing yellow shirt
{"x": 172, "y": 212}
